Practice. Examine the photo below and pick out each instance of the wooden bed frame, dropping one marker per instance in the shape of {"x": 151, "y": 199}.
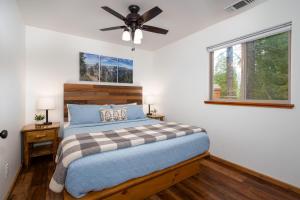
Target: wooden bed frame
{"x": 138, "y": 188}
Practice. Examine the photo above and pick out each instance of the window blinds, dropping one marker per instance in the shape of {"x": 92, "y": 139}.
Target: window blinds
{"x": 253, "y": 36}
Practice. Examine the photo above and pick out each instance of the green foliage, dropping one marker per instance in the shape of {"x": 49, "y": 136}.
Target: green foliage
{"x": 39, "y": 117}
{"x": 109, "y": 74}
{"x": 82, "y": 64}
{"x": 220, "y": 77}
{"x": 124, "y": 75}
{"x": 85, "y": 77}
{"x": 91, "y": 71}
{"x": 267, "y": 72}
{"x": 88, "y": 73}
{"x": 267, "y": 75}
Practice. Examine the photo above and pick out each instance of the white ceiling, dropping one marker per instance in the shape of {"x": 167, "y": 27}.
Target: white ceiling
{"x": 85, "y": 17}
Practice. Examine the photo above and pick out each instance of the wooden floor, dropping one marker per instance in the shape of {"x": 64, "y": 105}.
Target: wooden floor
{"x": 214, "y": 181}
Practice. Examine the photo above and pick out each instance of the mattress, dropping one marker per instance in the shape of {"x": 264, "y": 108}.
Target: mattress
{"x": 99, "y": 171}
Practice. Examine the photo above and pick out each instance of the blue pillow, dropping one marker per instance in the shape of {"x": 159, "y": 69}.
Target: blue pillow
{"x": 133, "y": 111}
{"x": 85, "y": 114}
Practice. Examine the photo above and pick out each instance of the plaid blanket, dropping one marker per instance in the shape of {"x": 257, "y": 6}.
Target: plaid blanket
{"x": 81, "y": 145}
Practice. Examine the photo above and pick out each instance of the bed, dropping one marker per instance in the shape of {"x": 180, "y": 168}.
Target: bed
{"x": 129, "y": 173}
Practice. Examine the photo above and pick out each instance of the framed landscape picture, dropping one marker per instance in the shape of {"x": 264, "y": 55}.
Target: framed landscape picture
{"x": 105, "y": 69}
{"x": 109, "y": 69}
{"x": 89, "y": 67}
{"x": 125, "y": 71}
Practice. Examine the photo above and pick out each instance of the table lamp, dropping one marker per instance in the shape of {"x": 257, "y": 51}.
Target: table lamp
{"x": 149, "y": 99}
{"x": 46, "y": 103}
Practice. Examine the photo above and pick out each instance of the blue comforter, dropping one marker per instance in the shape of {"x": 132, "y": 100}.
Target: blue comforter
{"x": 100, "y": 171}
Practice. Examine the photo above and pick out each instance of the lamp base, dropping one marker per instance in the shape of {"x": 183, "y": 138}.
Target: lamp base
{"x": 47, "y": 122}
{"x": 149, "y": 112}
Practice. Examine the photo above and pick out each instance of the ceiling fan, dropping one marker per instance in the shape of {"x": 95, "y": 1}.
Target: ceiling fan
{"x": 134, "y": 23}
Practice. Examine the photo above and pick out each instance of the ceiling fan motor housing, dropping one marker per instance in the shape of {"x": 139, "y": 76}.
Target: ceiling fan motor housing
{"x": 134, "y": 8}
{"x": 133, "y": 19}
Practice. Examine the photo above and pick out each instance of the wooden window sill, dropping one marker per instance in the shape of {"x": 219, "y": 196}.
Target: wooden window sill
{"x": 254, "y": 104}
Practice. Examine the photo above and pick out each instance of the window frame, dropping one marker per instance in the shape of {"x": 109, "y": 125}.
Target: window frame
{"x": 244, "y": 100}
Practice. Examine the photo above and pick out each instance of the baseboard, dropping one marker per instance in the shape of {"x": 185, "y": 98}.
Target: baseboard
{"x": 13, "y": 183}
{"x": 257, "y": 174}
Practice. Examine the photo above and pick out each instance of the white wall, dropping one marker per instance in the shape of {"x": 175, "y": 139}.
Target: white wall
{"x": 12, "y": 52}
{"x": 52, "y": 59}
{"x": 264, "y": 139}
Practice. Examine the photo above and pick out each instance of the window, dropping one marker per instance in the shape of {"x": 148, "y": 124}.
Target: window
{"x": 256, "y": 70}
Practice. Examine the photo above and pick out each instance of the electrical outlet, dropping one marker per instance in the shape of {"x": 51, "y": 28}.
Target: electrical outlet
{"x": 5, "y": 170}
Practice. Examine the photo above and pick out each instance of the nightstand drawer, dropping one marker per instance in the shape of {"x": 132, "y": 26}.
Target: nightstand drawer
{"x": 39, "y": 136}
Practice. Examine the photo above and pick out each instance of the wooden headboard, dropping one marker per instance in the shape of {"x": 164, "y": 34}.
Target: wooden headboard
{"x": 100, "y": 95}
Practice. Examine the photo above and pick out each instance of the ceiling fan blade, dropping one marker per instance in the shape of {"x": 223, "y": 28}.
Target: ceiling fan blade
{"x": 115, "y": 13}
{"x": 112, "y": 28}
{"x": 150, "y": 14}
{"x": 154, "y": 29}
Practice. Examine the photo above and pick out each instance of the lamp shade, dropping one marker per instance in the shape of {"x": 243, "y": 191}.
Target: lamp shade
{"x": 126, "y": 35}
{"x": 46, "y": 103}
{"x": 138, "y": 34}
{"x": 149, "y": 99}
{"x": 137, "y": 41}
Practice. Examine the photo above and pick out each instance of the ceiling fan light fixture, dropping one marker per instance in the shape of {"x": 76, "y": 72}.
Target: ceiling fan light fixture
{"x": 134, "y": 23}
{"x": 137, "y": 40}
{"x": 126, "y": 35}
{"x": 138, "y": 34}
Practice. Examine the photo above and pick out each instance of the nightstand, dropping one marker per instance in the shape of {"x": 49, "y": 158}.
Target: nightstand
{"x": 33, "y": 135}
{"x": 157, "y": 116}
